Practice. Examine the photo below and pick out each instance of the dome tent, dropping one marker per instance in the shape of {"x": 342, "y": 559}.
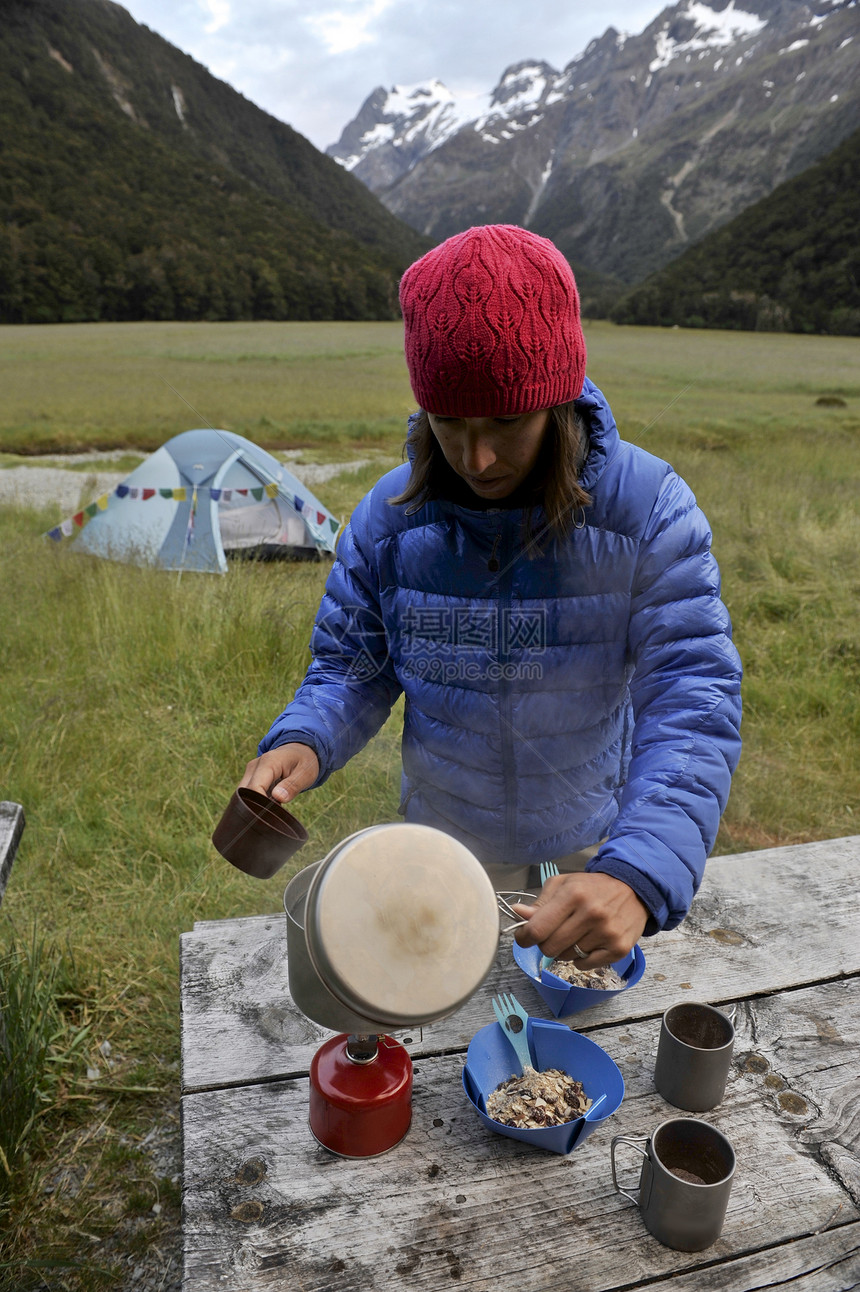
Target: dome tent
{"x": 203, "y": 496}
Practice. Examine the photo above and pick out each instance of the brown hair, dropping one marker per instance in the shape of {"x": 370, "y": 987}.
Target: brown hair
{"x": 555, "y": 478}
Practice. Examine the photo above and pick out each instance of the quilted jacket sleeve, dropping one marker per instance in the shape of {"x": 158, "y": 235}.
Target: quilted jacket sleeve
{"x": 350, "y": 686}
{"x": 685, "y": 693}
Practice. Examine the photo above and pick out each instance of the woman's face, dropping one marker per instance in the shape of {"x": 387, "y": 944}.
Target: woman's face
{"x": 494, "y": 455}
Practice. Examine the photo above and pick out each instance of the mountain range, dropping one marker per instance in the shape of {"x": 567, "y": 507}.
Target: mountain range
{"x": 704, "y": 172}
{"x": 634, "y": 151}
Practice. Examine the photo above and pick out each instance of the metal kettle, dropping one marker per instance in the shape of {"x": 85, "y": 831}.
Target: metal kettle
{"x": 397, "y": 927}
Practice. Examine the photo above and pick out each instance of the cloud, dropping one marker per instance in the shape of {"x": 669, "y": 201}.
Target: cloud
{"x": 219, "y": 14}
{"x": 343, "y": 30}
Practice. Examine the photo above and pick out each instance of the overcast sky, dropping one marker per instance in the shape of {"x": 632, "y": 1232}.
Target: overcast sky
{"x": 312, "y": 63}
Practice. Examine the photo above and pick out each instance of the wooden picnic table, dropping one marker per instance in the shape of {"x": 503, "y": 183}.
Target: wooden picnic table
{"x": 11, "y": 829}
{"x": 776, "y": 932}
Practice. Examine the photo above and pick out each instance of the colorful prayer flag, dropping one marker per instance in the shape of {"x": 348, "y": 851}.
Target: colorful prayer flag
{"x": 258, "y": 493}
{"x": 147, "y": 494}
{"x": 102, "y": 502}
{"x": 271, "y": 491}
{"x": 121, "y": 491}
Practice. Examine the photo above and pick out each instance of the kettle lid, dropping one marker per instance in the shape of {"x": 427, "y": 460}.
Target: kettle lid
{"x": 402, "y": 924}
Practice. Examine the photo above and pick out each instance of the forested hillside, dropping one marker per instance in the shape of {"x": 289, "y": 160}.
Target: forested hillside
{"x": 790, "y": 263}
{"x": 134, "y": 185}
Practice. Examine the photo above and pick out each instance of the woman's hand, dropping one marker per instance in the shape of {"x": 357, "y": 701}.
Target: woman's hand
{"x": 282, "y": 773}
{"x": 600, "y": 914}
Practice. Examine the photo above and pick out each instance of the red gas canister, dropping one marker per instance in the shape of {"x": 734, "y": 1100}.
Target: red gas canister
{"x": 360, "y": 1094}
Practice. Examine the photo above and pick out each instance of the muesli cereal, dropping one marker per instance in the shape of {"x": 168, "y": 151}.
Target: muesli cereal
{"x": 603, "y": 978}
{"x": 537, "y": 1099}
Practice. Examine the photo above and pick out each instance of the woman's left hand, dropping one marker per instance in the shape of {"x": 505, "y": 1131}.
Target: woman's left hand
{"x": 600, "y": 915}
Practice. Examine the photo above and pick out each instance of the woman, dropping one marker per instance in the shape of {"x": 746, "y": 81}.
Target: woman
{"x": 545, "y": 596}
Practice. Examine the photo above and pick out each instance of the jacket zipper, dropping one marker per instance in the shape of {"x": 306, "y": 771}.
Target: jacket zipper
{"x": 404, "y": 802}
{"x": 505, "y": 696}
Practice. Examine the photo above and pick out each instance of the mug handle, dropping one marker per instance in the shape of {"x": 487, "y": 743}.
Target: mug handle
{"x": 631, "y": 1142}
{"x": 731, "y": 1014}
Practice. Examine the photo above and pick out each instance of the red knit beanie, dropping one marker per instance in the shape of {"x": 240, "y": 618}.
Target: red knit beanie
{"x": 492, "y": 325}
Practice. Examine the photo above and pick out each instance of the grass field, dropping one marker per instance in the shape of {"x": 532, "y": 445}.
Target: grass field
{"x": 292, "y": 384}
{"x": 132, "y": 699}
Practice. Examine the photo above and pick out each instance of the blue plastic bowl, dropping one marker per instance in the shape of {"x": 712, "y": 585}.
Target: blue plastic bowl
{"x": 490, "y": 1061}
{"x": 562, "y": 997}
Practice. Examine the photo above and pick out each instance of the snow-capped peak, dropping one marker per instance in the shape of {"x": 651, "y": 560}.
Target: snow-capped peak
{"x": 427, "y": 112}
{"x": 712, "y": 29}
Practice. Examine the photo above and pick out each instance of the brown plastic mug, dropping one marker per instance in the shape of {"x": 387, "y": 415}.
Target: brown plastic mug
{"x": 257, "y": 835}
{"x": 685, "y": 1181}
{"x": 694, "y": 1056}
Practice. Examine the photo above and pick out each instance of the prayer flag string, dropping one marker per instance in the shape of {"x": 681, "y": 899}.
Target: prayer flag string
{"x": 138, "y": 493}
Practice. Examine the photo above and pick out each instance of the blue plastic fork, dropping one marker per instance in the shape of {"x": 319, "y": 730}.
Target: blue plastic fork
{"x": 547, "y": 870}
{"x": 589, "y": 1115}
{"x": 513, "y": 1020}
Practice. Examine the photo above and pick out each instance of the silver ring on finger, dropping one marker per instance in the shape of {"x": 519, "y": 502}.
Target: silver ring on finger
{"x": 578, "y": 952}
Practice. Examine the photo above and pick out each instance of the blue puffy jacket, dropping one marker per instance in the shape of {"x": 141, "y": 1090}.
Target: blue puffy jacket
{"x": 591, "y": 690}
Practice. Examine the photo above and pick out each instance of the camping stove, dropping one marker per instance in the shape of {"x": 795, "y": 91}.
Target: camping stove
{"x": 360, "y": 1094}
{"x": 397, "y": 927}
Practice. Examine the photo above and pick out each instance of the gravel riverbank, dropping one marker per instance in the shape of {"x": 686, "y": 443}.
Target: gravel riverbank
{"x": 40, "y": 486}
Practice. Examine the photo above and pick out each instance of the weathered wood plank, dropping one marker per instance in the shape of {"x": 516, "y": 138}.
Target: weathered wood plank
{"x": 266, "y": 1207}
{"x": 11, "y": 829}
{"x": 742, "y": 938}
{"x": 828, "y": 1262}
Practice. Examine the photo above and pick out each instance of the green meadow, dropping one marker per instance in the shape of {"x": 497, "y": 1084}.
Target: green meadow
{"x": 133, "y": 385}
{"x": 132, "y": 699}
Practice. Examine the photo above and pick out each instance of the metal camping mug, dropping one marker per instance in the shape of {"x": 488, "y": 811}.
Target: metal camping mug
{"x": 694, "y": 1056}
{"x": 685, "y": 1182}
{"x": 257, "y": 835}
